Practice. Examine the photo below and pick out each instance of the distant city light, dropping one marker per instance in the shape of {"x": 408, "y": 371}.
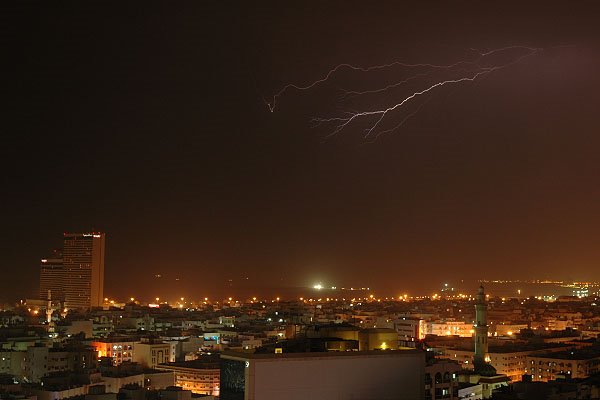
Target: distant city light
{"x": 318, "y": 286}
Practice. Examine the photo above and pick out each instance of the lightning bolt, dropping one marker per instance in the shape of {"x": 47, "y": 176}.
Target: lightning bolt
{"x": 273, "y": 103}
{"x": 475, "y": 71}
{"x": 481, "y": 54}
{"x": 406, "y": 118}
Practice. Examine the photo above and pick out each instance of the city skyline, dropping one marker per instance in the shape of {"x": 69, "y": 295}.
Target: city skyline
{"x": 53, "y": 275}
{"x": 161, "y": 129}
{"x": 270, "y": 200}
{"x": 58, "y": 281}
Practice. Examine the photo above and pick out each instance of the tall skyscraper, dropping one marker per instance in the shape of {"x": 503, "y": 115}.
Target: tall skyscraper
{"x": 52, "y": 277}
{"x": 83, "y": 259}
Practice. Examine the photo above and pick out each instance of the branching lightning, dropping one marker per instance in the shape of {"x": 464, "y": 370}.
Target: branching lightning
{"x": 469, "y": 71}
{"x": 273, "y": 103}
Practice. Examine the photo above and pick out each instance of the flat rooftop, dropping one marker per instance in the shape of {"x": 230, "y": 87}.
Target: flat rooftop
{"x": 581, "y": 354}
{"x": 121, "y": 339}
{"x": 327, "y": 354}
{"x": 515, "y": 347}
{"x": 201, "y": 363}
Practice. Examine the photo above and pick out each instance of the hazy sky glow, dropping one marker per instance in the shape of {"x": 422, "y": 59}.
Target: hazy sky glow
{"x": 151, "y": 124}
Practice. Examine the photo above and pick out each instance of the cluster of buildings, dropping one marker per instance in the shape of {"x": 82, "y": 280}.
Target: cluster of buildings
{"x": 74, "y": 275}
{"x": 73, "y": 343}
{"x": 200, "y": 356}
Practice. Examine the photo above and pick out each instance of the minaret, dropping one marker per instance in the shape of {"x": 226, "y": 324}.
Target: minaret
{"x": 481, "y": 330}
{"x": 49, "y": 311}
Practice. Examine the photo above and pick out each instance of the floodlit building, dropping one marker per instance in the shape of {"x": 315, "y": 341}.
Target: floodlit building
{"x": 449, "y": 328}
{"x": 119, "y": 349}
{"x": 201, "y": 376}
{"x": 510, "y": 361}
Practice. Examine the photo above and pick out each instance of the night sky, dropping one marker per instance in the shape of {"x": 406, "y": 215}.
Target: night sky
{"x": 148, "y": 122}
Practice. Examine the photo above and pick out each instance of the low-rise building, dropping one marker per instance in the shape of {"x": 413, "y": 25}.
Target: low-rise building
{"x": 384, "y": 375}
{"x": 41, "y": 361}
{"x": 151, "y": 353}
{"x": 410, "y": 328}
{"x": 120, "y": 350}
{"x": 116, "y": 377}
{"x": 12, "y": 362}
{"x": 450, "y": 328}
{"x": 508, "y": 360}
{"x": 201, "y": 376}
{"x": 575, "y": 363}
{"x": 441, "y": 379}
{"x": 156, "y": 380}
